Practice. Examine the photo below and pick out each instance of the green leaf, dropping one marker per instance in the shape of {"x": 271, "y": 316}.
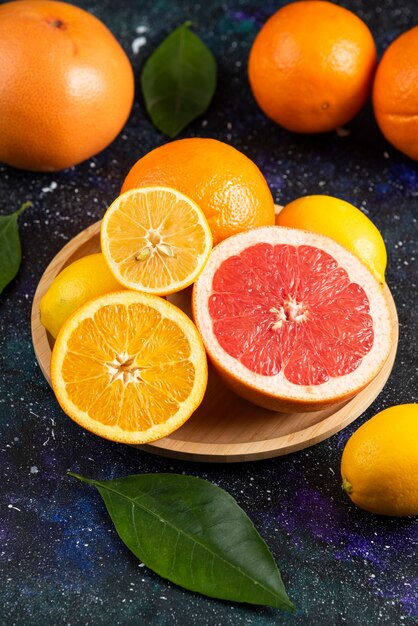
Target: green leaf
{"x": 10, "y": 248}
{"x": 178, "y": 81}
{"x": 193, "y": 533}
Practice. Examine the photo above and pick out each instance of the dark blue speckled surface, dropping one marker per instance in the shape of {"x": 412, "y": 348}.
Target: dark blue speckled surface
{"x": 61, "y": 560}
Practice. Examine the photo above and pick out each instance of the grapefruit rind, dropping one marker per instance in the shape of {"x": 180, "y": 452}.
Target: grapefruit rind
{"x": 276, "y": 392}
{"x": 197, "y": 357}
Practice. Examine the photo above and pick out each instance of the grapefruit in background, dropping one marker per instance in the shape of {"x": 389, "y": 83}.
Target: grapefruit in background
{"x": 66, "y": 85}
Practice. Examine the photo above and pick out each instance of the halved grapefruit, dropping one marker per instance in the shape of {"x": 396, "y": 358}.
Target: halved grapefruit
{"x": 292, "y": 320}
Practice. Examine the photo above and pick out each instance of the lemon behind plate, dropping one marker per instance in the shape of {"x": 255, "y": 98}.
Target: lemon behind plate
{"x": 341, "y": 221}
{"x": 82, "y": 280}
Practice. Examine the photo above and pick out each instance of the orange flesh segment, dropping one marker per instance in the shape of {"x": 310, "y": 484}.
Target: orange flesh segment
{"x": 292, "y": 309}
{"x": 129, "y": 366}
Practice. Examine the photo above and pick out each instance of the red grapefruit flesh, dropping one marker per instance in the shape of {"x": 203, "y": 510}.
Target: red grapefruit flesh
{"x": 292, "y": 320}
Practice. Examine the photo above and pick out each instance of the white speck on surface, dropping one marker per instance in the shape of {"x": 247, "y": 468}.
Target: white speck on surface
{"x": 386, "y": 155}
{"x": 34, "y": 469}
{"x": 53, "y": 185}
{"x": 342, "y": 132}
{"x": 141, "y": 29}
{"x": 10, "y": 506}
{"x": 138, "y": 43}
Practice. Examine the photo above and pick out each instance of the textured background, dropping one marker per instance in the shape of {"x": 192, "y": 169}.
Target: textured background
{"x": 62, "y": 562}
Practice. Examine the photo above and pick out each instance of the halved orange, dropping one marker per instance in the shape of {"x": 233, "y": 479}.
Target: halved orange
{"x": 155, "y": 240}
{"x": 129, "y": 366}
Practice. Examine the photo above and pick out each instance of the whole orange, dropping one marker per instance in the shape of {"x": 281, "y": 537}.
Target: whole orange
{"x": 66, "y": 85}
{"x": 395, "y": 93}
{"x": 227, "y": 185}
{"x": 311, "y": 66}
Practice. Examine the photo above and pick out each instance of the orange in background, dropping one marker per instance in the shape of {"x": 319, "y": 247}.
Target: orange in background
{"x": 395, "y": 93}
{"x": 311, "y": 66}
{"x": 227, "y": 185}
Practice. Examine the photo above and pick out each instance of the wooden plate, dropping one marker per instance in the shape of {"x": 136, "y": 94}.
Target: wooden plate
{"x": 225, "y": 428}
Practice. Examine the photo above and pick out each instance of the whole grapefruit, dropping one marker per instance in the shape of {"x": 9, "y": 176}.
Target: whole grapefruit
{"x": 66, "y": 85}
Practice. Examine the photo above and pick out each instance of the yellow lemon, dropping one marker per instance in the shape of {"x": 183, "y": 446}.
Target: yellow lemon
{"x": 379, "y": 466}
{"x": 155, "y": 240}
{"x": 82, "y": 280}
{"x": 341, "y": 221}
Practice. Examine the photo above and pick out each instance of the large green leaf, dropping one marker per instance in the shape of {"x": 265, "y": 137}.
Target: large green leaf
{"x": 193, "y": 533}
{"x": 10, "y": 248}
{"x": 178, "y": 81}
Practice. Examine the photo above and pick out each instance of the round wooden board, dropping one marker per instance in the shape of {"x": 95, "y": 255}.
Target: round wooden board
{"x": 225, "y": 428}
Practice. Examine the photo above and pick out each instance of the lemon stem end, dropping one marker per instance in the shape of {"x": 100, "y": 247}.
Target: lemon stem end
{"x": 347, "y": 486}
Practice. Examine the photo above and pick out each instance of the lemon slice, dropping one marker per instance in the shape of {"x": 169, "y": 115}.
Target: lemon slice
{"x": 155, "y": 240}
